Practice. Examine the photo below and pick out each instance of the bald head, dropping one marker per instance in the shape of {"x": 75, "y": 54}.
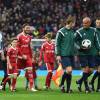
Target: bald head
{"x": 86, "y": 22}
{"x": 87, "y": 19}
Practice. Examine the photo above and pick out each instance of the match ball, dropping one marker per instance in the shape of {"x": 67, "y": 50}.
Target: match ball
{"x": 86, "y": 43}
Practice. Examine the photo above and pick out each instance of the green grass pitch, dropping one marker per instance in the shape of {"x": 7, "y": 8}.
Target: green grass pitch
{"x": 54, "y": 94}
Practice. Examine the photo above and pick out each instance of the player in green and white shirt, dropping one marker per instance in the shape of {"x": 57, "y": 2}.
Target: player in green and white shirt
{"x": 86, "y": 54}
{"x": 64, "y": 49}
{"x": 97, "y": 73}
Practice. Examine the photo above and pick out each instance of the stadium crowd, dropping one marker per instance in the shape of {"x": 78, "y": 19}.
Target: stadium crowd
{"x": 44, "y": 15}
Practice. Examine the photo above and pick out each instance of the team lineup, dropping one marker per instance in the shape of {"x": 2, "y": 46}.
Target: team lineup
{"x": 83, "y": 43}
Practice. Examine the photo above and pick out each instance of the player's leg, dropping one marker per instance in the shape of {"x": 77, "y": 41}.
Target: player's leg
{"x": 63, "y": 79}
{"x": 98, "y": 84}
{"x": 50, "y": 67}
{"x": 91, "y": 64}
{"x": 96, "y": 74}
{"x": 5, "y": 72}
{"x": 8, "y": 77}
{"x": 14, "y": 78}
{"x": 91, "y": 83}
{"x": 35, "y": 79}
{"x": 70, "y": 63}
{"x": 68, "y": 78}
{"x": 4, "y": 64}
{"x": 28, "y": 69}
{"x": 84, "y": 78}
{"x": 67, "y": 66}
{"x": 51, "y": 73}
{"x": 83, "y": 63}
{"x": 62, "y": 82}
{"x": 5, "y": 80}
{"x": 29, "y": 77}
{"x": 13, "y": 85}
{"x": 79, "y": 82}
{"x": 27, "y": 81}
{"x": 89, "y": 71}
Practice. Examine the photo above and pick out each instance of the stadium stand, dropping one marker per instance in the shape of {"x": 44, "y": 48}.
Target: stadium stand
{"x": 44, "y": 15}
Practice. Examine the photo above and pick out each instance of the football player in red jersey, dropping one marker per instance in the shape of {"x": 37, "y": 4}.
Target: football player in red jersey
{"x": 24, "y": 45}
{"x": 47, "y": 50}
{"x": 12, "y": 53}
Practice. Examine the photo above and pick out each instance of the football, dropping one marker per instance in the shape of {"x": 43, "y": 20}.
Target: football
{"x": 86, "y": 43}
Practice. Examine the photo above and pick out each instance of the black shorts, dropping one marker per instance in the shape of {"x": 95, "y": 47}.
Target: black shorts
{"x": 87, "y": 60}
{"x": 67, "y": 61}
{"x": 97, "y": 61}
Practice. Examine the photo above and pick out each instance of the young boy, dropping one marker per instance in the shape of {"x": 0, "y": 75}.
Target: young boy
{"x": 47, "y": 50}
{"x": 12, "y": 71}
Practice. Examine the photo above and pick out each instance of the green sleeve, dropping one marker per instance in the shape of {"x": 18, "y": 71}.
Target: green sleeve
{"x": 97, "y": 41}
{"x": 58, "y": 44}
{"x": 77, "y": 39}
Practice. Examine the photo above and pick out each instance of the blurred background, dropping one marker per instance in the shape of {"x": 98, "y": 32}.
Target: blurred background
{"x": 44, "y": 16}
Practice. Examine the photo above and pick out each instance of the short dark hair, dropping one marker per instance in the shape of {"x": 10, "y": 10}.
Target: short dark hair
{"x": 12, "y": 39}
{"x": 26, "y": 24}
{"x": 70, "y": 19}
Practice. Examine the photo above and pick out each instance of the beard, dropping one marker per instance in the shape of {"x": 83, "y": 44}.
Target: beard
{"x": 26, "y": 32}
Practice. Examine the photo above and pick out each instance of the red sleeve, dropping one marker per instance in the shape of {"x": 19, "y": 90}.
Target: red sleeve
{"x": 9, "y": 52}
{"x": 18, "y": 43}
{"x": 41, "y": 52}
{"x": 31, "y": 51}
{"x": 19, "y": 52}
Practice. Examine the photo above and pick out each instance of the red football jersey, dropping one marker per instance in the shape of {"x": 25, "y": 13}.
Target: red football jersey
{"x": 12, "y": 54}
{"x": 24, "y": 44}
{"x": 47, "y": 49}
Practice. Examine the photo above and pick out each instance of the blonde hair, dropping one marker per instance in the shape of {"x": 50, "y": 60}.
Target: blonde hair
{"x": 48, "y": 35}
{"x": 70, "y": 19}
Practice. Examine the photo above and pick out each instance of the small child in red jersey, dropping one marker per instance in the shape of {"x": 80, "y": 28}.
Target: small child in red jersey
{"x": 12, "y": 54}
{"x": 47, "y": 54}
